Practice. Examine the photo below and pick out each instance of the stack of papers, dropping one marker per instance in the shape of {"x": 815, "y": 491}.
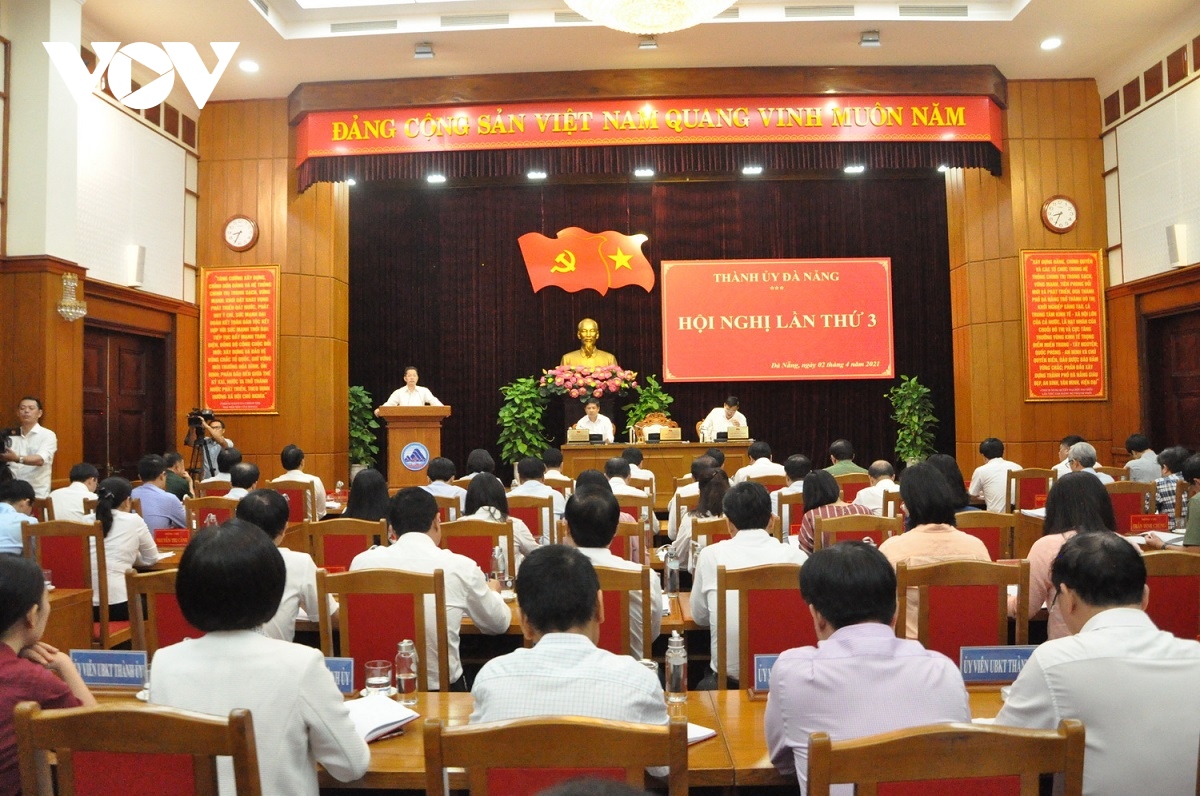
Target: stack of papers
{"x": 377, "y": 715}
{"x": 696, "y": 733}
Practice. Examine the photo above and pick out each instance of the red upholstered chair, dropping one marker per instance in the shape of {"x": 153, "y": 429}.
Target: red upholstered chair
{"x": 64, "y": 547}
{"x": 641, "y": 507}
{"x": 618, "y": 585}
{"x": 963, "y": 603}
{"x": 772, "y": 616}
{"x": 525, "y": 756}
{"x": 449, "y": 507}
{"x": 710, "y": 530}
{"x": 854, "y": 527}
{"x": 476, "y": 539}
{"x": 1129, "y": 498}
{"x": 199, "y": 509}
{"x": 851, "y": 484}
{"x": 995, "y": 529}
{"x": 536, "y": 512}
{"x": 770, "y": 482}
{"x": 135, "y": 506}
{"x": 102, "y": 750}
{"x": 333, "y": 544}
{"x": 379, "y": 608}
{"x": 949, "y": 759}
{"x": 622, "y": 542}
{"x": 161, "y": 623}
{"x": 213, "y": 488}
{"x": 791, "y": 511}
{"x": 641, "y": 483}
{"x": 43, "y": 509}
{"x": 301, "y": 497}
{"x": 563, "y": 486}
{"x": 684, "y": 503}
{"x": 1174, "y": 580}
{"x": 1027, "y": 488}
{"x": 1115, "y": 473}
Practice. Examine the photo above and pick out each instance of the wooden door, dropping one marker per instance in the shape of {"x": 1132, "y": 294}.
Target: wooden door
{"x": 1172, "y": 374}
{"x": 124, "y": 407}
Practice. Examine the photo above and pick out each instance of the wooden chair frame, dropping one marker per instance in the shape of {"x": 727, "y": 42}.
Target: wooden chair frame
{"x": 1180, "y": 501}
{"x": 1171, "y": 563}
{"x": 628, "y": 530}
{"x": 133, "y": 729}
{"x": 310, "y": 496}
{"x": 826, "y": 529}
{"x": 625, "y": 581}
{"x": 1132, "y": 488}
{"x": 144, "y": 621}
{"x": 564, "y": 486}
{"x": 769, "y": 482}
{"x": 451, "y": 504}
{"x": 682, "y": 502}
{"x": 43, "y": 509}
{"x": 645, "y": 506}
{"x": 135, "y": 506}
{"x": 782, "y": 577}
{"x": 475, "y": 527}
{"x": 315, "y": 533}
{"x": 388, "y": 581}
{"x": 1116, "y": 473}
{"x": 893, "y": 505}
{"x": 948, "y": 751}
{"x": 970, "y": 520}
{"x": 965, "y": 573}
{"x": 193, "y": 506}
{"x": 707, "y": 527}
{"x": 577, "y": 742}
{"x": 791, "y": 504}
{"x": 851, "y": 478}
{"x": 83, "y": 532}
{"x": 213, "y": 489}
{"x": 545, "y": 514}
{"x": 462, "y": 483}
{"x": 1012, "y": 487}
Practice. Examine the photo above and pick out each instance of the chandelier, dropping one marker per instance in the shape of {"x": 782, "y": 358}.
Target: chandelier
{"x": 649, "y": 16}
{"x": 71, "y": 308}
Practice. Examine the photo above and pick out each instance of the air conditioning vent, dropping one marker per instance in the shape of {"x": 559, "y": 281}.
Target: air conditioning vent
{"x": 933, "y": 11}
{"x": 812, "y": 12}
{"x": 262, "y": 6}
{"x": 363, "y": 27}
{"x": 729, "y": 13}
{"x": 475, "y": 21}
{"x": 569, "y": 18}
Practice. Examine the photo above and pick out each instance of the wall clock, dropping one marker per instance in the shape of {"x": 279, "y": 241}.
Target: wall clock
{"x": 241, "y": 233}
{"x": 1059, "y": 214}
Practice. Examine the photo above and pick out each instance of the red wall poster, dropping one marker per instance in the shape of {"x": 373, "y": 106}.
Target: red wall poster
{"x": 764, "y": 320}
{"x": 1063, "y": 309}
{"x": 239, "y": 338}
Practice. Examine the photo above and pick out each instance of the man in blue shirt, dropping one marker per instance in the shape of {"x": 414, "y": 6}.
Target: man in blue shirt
{"x": 160, "y": 509}
{"x": 16, "y": 506}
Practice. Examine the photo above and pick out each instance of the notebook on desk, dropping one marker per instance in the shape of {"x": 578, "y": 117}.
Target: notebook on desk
{"x": 577, "y": 435}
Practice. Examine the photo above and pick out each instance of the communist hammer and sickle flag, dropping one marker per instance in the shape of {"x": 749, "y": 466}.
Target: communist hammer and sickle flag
{"x": 576, "y": 260}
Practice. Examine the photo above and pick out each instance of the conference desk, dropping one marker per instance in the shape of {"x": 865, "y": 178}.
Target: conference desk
{"x": 70, "y": 624}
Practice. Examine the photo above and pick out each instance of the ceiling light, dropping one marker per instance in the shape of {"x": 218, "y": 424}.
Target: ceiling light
{"x": 248, "y": 66}
{"x": 423, "y": 50}
{"x": 869, "y": 38}
{"x": 436, "y": 178}
{"x": 643, "y": 172}
{"x": 649, "y": 16}
{"x": 647, "y": 43}
{"x": 751, "y": 171}
{"x": 536, "y": 175}
{"x": 1052, "y": 43}
{"x": 352, "y": 181}
{"x": 855, "y": 169}
{"x": 943, "y": 168}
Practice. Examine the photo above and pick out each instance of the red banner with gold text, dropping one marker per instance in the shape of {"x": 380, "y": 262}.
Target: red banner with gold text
{"x": 568, "y": 123}
{"x": 239, "y": 338}
{"x": 760, "y": 320}
{"x": 1063, "y": 309}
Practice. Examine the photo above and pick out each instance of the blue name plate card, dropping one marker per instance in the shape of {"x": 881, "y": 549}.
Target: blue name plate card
{"x": 992, "y": 664}
{"x": 107, "y": 668}
{"x": 762, "y": 671}
{"x": 342, "y": 670}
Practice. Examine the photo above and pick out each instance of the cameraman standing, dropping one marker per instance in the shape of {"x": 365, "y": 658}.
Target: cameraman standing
{"x": 30, "y": 449}
{"x": 212, "y": 443}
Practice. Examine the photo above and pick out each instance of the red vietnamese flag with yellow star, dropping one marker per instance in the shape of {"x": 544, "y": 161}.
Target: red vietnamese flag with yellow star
{"x": 577, "y": 260}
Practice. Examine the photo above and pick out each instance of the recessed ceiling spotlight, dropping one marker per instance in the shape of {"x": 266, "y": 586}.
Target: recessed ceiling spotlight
{"x": 869, "y": 38}
{"x": 536, "y": 175}
{"x": 436, "y": 178}
{"x": 643, "y": 172}
{"x": 855, "y": 169}
{"x": 647, "y": 43}
{"x": 943, "y": 167}
{"x": 248, "y": 65}
{"x": 423, "y": 50}
{"x": 351, "y": 181}
{"x": 1052, "y": 43}
{"x": 751, "y": 171}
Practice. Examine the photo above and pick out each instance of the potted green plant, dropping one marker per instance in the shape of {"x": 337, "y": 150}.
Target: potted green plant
{"x": 362, "y": 431}
{"x": 651, "y": 398}
{"x": 520, "y": 420}
{"x": 912, "y": 409}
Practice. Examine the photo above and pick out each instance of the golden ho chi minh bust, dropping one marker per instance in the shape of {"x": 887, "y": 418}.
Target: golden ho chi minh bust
{"x": 588, "y": 355}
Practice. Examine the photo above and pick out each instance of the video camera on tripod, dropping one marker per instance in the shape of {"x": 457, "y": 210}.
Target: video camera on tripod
{"x": 198, "y": 417}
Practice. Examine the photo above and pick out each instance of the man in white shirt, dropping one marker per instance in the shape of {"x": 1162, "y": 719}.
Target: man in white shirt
{"x": 441, "y": 472}
{"x": 721, "y": 419}
{"x": 411, "y": 394}
{"x": 635, "y": 458}
{"x": 30, "y": 453}
{"x": 1143, "y": 462}
{"x": 244, "y": 477}
{"x": 794, "y": 469}
{"x": 1132, "y": 685}
{"x": 595, "y": 423}
{"x": 553, "y": 459}
{"x": 1064, "y": 448}
{"x": 292, "y": 459}
{"x": 759, "y": 454}
{"x": 989, "y": 480}
{"x": 530, "y": 472}
{"x": 881, "y": 474}
{"x": 592, "y": 515}
{"x": 415, "y": 531}
{"x": 616, "y": 470}
{"x": 1082, "y": 458}
{"x": 68, "y": 500}
{"x": 747, "y": 508}
{"x": 700, "y": 465}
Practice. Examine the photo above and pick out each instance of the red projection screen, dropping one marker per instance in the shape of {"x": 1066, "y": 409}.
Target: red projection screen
{"x": 767, "y": 320}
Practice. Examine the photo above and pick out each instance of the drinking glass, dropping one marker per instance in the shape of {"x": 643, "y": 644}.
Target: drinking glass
{"x": 379, "y": 677}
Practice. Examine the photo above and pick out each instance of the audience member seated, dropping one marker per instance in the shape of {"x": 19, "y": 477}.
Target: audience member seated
{"x": 841, "y": 453}
{"x": 486, "y": 501}
{"x": 226, "y": 459}
{"x": 721, "y": 419}
{"x": 292, "y": 459}
{"x": 179, "y": 480}
{"x": 990, "y": 480}
{"x": 794, "y": 469}
{"x": 160, "y": 509}
{"x": 1132, "y": 685}
{"x": 68, "y": 500}
{"x": 553, "y": 459}
{"x": 30, "y": 669}
{"x": 479, "y": 461}
{"x": 717, "y": 455}
{"x": 230, "y": 582}
{"x": 1078, "y": 503}
{"x": 368, "y": 496}
{"x": 267, "y": 510}
{"x": 882, "y": 476}
{"x": 1191, "y": 477}
{"x": 861, "y": 679}
{"x": 617, "y": 471}
{"x": 1082, "y": 458}
{"x": 713, "y": 485}
{"x": 564, "y": 672}
{"x": 1143, "y": 462}
{"x": 591, "y": 516}
{"x": 127, "y": 542}
{"x": 948, "y": 467}
{"x": 823, "y": 498}
{"x": 759, "y": 454}
{"x": 934, "y": 537}
{"x": 441, "y": 472}
{"x": 699, "y": 465}
{"x": 1064, "y": 449}
{"x": 16, "y": 508}
{"x": 414, "y": 528}
{"x": 595, "y": 423}
{"x": 244, "y": 477}
{"x": 1170, "y": 462}
{"x": 747, "y": 508}
{"x": 530, "y": 473}
{"x": 593, "y": 477}
{"x": 635, "y": 458}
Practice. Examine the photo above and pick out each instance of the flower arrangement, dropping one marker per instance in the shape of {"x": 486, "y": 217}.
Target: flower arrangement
{"x": 587, "y": 382}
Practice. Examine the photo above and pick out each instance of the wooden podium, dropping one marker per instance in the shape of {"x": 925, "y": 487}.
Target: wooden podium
{"x": 414, "y": 438}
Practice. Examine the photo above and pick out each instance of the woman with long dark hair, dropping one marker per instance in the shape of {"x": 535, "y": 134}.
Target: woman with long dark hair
{"x": 713, "y": 486}
{"x": 368, "y": 496}
{"x": 486, "y": 500}
{"x": 127, "y": 541}
{"x": 823, "y": 498}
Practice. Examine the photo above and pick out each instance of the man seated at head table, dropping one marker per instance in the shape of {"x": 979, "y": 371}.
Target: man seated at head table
{"x": 1132, "y": 685}
{"x": 861, "y": 680}
{"x": 721, "y": 419}
{"x": 592, "y": 514}
{"x": 595, "y": 423}
{"x": 414, "y": 529}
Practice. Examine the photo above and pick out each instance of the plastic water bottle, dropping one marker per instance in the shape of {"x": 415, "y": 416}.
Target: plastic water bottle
{"x": 499, "y": 564}
{"x": 676, "y": 669}
{"x": 671, "y": 574}
{"x": 407, "y": 661}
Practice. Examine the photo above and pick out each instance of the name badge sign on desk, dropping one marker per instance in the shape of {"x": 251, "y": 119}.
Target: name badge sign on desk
{"x": 108, "y": 668}
{"x": 763, "y": 664}
{"x": 999, "y": 664}
{"x": 1140, "y": 523}
{"x": 172, "y": 537}
{"x": 342, "y": 670}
